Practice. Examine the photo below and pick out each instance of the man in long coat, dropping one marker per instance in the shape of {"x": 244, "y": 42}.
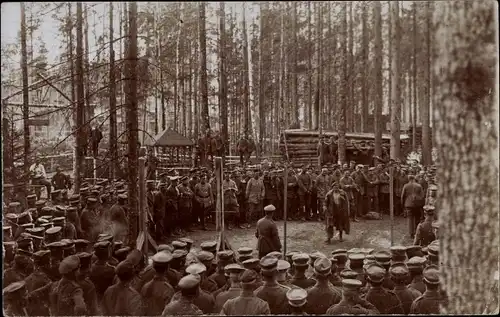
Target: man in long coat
{"x": 267, "y": 233}
{"x": 336, "y": 209}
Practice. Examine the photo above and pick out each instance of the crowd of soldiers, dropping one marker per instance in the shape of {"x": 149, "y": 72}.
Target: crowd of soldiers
{"x": 47, "y": 273}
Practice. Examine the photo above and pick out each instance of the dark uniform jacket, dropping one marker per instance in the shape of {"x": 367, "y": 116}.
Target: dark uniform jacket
{"x": 208, "y": 285}
{"x": 203, "y": 301}
{"x": 322, "y": 296}
{"x": 219, "y": 278}
{"x": 182, "y": 306}
{"x": 406, "y": 297}
{"x": 34, "y": 281}
{"x": 224, "y": 296}
{"x": 386, "y": 301}
{"x": 346, "y": 308}
{"x": 428, "y": 303}
{"x": 122, "y": 300}
{"x": 66, "y": 298}
{"x": 102, "y": 275}
{"x": 245, "y": 306}
{"x": 412, "y": 195}
{"x": 267, "y": 235}
{"x": 90, "y": 296}
{"x": 61, "y": 181}
{"x": 305, "y": 184}
{"x": 156, "y": 293}
{"x": 275, "y": 296}
{"x": 424, "y": 234}
{"x": 302, "y": 281}
{"x": 89, "y": 221}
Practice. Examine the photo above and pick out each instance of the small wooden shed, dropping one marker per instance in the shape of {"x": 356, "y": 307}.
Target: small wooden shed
{"x": 172, "y": 148}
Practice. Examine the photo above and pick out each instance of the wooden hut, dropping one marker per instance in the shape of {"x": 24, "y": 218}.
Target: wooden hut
{"x": 302, "y": 145}
{"x": 172, "y": 148}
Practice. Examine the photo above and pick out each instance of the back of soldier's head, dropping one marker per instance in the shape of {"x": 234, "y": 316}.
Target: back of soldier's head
{"x": 125, "y": 271}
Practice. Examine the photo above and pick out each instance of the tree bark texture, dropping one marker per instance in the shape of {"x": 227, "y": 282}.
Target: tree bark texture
{"x": 112, "y": 97}
{"x": 223, "y": 79}
{"x": 246, "y": 78}
{"x": 344, "y": 90}
{"x": 80, "y": 95}
{"x": 426, "y": 136}
{"x": 205, "y": 117}
{"x": 395, "y": 83}
{"x": 379, "y": 93}
{"x": 467, "y": 144}
{"x": 26, "y": 101}
{"x": 365, "y": 49}
{"x": 262, "y": 96}
{"x": 132, "y": 123}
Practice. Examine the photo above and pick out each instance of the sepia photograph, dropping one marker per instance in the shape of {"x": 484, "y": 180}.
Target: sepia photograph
{"x": 250, "y": 158}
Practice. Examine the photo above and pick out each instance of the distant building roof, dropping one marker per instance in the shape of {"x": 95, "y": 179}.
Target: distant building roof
{"x": 168, "y": 137}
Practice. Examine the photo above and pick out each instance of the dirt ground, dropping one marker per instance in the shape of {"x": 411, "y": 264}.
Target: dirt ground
{"x": 309, "y": 236}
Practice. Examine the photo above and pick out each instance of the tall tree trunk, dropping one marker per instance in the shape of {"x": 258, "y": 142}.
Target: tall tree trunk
{"x": 178, "y": 60}
{"x": 350, "y": 80}
{"x": 70, "y": 51}
{"x": 26, "y": 101}
{"x": 262, "y": 43}
{"x": 426, "y": 137}
{"x": 329, "y": 73}
{"x": 379, "y": 92}
{"x": 414, "y": 83}
{"x": 309, "y": 68}
{"x": 318, "y": 100}
{"x": 281, "y": 115}
{"x": 223, "y": 79}
{"x": 344, "y": 79}
{"x": 395, "y": 83}
{"x": 196, "y": 85}
{"x": 205, "y": 117}
{"x": 365, "y": 51}
{"x": 132, "y": 123}
{"x": 389, "y": 51}
{"x": 246, "y": 77}
{"x": 80, "y": 94}
{"x": 466, "y": 115}
{"x": 89, "y": 108}
{"x": 190, "y": 94}
{"x": 113, "y": 146}
{"x": 295, "y": 57}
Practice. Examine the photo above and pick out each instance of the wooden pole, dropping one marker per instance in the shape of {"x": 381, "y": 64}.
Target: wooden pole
{"x": 285, "y": 181}
{"x": 142, "y": 204}
{"x": 391, "y": 196}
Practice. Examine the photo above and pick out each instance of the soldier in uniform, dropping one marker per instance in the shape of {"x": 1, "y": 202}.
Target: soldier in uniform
{"x": 68, "y": 229}
{"x": 88, "y": 288}
{"x": 299, "y": 278}
{"x": 121, "y": 299}
{"x": 158, "y": 292}
{"x": 102, "y": 273}
{"x": 204, "y": 197}
{"x": 60, "y": 181}
{"x": 282, "y": 276}
{"x": 399, "y": 275}
{"x": 172, "y": 207}
{"x": 348, "y": 185}
{"x": 356, "y": 265}
{"x": 267, "y": 233}
{"x": 246, "y": 304}
{"x": 206, "y": 284}
{"x": 233, "y": 270}
{"x": 255, "y": 193}
{"x": 189, "y": 288}
{"x": 383, "y": 258}
{"x": 424, "y": 234}
{"x": 39, "y": 278}
{"x": 322, "y": 187}
{"x": 322, "y": 295}
{"x": 412, "y": 197}
{"x": 242, "y": 149}
{"x": 224, "y": 258}
{"x": 431, "y": 299}
{"x": 386, "y": 301}
{"x": 351, "y": 302}
{"x": 203, "y": 300}
{"x": 73, "y": 218}
{"x": 272, "y": 292}
{"x": 15, "y": 299}
{"x": 230, "y": 201}
{"x": 298, "y": 300}
{"x": 292, "y": 196}
{"x": 241, "y": 197}
{"x": 336, "y": 210}
{"x": 304, "y": 183}
{"x": 185, "y": 204}
{"x": 89, "y": 219}
{"x": 19, "y": 270}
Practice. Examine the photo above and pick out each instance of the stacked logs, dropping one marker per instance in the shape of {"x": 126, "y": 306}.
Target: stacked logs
{"x": 302, "y": 145}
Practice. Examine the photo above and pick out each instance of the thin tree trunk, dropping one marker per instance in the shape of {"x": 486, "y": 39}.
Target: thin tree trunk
{"x": 262, "y": 122}
{"x": 318, "y": 101}
{"x": 112, "y": 98}
{"x": 26, "y": 101}
{"x": 205, "y": 118}
{"x": 329, "y": 73}
{"x": 414, "y": 75}
{"x": 350, "y": 93}
{"x": 365, "y": 48}
{"x": 280, "y": 112}
{"x": 80, "y": 107}
{"x": 246, "y": 75}
{"x": 88, "y": 106}
{"x": 223, "y": 79}
{"x": 426, "y": 137}
{"x": 389, "y": 50}
{"x": 379, "y": 92}
{"x": 178, "y": 59}
{"x": 196, "y": 85}
{"x": 295, "y": 57}
{"x": 344, "y": 89}
{"x": 309, "y": 68}
{"x": 466, "y": 115}
{"x": 132, "y": 124}
{"x": 395, "y": 83}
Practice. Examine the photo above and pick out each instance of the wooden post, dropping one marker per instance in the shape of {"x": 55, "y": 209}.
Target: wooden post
{"x": 285, "y": 181}
{"x": 142, "y": 203}
{"x": 94, "y": 169}
{"x": 391, "y": 200}
{"x": 219, "y": 205}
